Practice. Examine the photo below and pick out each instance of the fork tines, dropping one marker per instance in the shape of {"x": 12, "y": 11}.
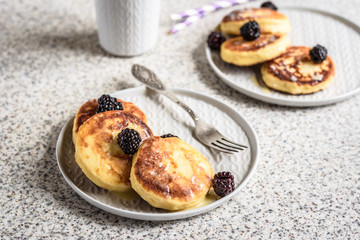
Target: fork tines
{"x": 228, "y": 146}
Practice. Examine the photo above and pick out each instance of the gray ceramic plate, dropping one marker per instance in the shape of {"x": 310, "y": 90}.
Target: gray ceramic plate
{"x": 329, "y": 26}
{"x": 164, "y": 116}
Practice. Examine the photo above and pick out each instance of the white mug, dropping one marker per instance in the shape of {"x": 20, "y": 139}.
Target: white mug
{"x": 127, "y": 27}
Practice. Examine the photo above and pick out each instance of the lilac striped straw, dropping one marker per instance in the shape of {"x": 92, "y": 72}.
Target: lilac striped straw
{"x": 190, "y": 16}
{"x": 188, "y": 21}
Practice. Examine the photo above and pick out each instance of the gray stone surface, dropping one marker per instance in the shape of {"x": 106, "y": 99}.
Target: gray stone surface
{"x": 306, "y": 185}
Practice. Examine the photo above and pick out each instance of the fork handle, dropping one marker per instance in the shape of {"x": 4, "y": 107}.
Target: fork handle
{"x": 149, "y": 78}
{"x": 173, "y": 97}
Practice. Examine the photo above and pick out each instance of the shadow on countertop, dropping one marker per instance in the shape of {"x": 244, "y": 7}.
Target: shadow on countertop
{"x": 75, "y": 41}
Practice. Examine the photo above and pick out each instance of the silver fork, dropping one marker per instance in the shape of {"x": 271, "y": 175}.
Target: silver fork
{"x": 205, "y": 132}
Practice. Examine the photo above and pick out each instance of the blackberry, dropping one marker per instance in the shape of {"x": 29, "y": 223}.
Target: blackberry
{"x": 215, "y": 40}
{"x": 167, "y": 135}
{"x": 269, "y": 5}
{"x": 318, "y": 54}
{"x": 129, "y": 140}
{"x": 107, "y": 103}
{"x": 250, "y": 31}
{"x": 223, "y": 183}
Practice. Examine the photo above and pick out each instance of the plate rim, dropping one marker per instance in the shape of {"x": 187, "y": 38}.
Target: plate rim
{"x": 245, "y": 125}
{"x": 290, "y": 102}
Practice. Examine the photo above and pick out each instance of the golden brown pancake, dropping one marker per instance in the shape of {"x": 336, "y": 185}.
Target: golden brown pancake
{"x": 246, "y": 53}
{"x": 294, "y": 72}
{"x": 270, "y": 21}
{"x": 98, "y": 153}
{"x": 168, "y": 173}
{"x": 89, "y": 109}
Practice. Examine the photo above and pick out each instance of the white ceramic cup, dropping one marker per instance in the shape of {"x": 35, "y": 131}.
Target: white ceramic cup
{"x": 127, "y": 27}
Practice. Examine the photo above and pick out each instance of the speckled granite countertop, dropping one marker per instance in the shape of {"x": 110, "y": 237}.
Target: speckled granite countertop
{"x": 306, "y": 185}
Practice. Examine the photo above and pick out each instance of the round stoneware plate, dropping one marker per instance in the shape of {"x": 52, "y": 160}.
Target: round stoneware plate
{"x": 164, "y": 116}
{"x": 310, "y": 25}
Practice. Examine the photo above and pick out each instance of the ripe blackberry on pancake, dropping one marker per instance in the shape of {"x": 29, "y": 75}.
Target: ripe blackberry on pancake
{"x": 129, "y": 140}
{"x": 108, "y": 103}
{"x": 270, "y": 5}
{"x": 318, "y": 54}
{"x": 250, "y": 31}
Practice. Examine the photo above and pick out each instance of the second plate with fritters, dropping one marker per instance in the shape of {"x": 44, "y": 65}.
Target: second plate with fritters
{"x": 311, "y": 24}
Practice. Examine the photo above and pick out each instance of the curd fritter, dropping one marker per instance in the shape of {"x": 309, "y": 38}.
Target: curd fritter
{"x": 270, "y": 21}
{"x": 168, "y": 173}
{"x": 294, "y": 72}
{"x": 240, "y": 52}
{"x": 97, "y": 151}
